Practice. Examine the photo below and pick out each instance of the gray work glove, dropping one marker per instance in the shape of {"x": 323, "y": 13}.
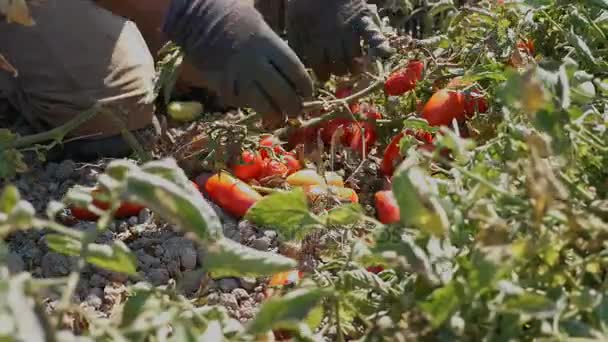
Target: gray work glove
{"x": 239, "y": 56}
{"x": 327, "y": 34}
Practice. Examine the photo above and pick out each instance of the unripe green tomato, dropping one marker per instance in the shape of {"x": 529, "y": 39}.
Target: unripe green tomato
{"x": 184, "y": 110}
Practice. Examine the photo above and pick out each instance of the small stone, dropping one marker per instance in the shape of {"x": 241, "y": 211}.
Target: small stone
{"x": 98, "y": 281}
{"x": 246, "y": 231}
{"x": 147, "y": 260}
{"x": 240, "y": 294}
{"x": 248, "y": 283}
{"x": 55, "y": 264}
{"x": 259, "y": 297}
{"x": 158, "y": 276}
{"x": 144, "y": 215}
{"x": 229, "y": 301}
{"x": 191, "y": 281}
{"x": 228, "y": 284}
{"x": 261, "y": 244}
{"x": 133, "y": 220}
{"x": 188, "y": 257}
{"x": 144, "y": 242}
{"x": 271, "y": 234}
{"x": 93, "y": 301}
{"x": 15, "y": 262}
{"x": 65, "y": 170}
{"x": 213, "y": 298}
{"x": 158, "y": 251}
{"x": 173, "y": 268}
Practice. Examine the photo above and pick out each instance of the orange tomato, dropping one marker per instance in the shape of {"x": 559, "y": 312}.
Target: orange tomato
{"x": 387, "y": 207}
{"x": 444, "y": 106}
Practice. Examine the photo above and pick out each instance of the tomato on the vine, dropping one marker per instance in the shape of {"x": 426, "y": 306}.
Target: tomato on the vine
{"x": 251, "y": 166}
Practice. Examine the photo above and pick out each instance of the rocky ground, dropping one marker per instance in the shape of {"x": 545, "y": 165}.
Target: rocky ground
{"x": 162, "y": 253}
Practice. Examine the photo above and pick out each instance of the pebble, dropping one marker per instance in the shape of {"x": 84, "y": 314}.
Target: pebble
{"x": 158, "y": 276}
{"x": 228, "y": 284}
{"x": 55, "y": 264}
{"x": 158, "y": 251}
{"x": 191, "y": 281}
{"x": 248, "y": 283}
{"x": 261, "y": 244}
{"x": 147, "y": 260}
{"x": 144, "y": 242}
{"x": 188, "y": 257}
{"x": 94, "y": 301}
{"x": 65, "y": 170}
{"x": 229, "y": 301}
{"x": 270, "y": 234}
{"x": 144, "y": 215}
{"x": 246, "y": 231}
{"x": 173, "y": 268}
{"x": 98, "y": 281}
{"x": 15, "y": 262}
{"x": 240, "y": 294}
{"x": 133, "y": 220}
{"x": 213, "y": 298}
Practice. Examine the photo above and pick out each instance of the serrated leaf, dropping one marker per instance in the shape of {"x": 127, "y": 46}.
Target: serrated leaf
{"x": 418, "y": 205}
{"x": 226, "y": 258}
{"x": 175, "y": 204}
{"x": 442, "y": 303}
{"x": 286, "y": 212}
{"x": 343, "y": 215}
{"x": 287, "y": 311}
{"x": 116, "y": 257}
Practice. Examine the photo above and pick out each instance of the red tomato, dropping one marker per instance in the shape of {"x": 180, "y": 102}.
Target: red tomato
{"x": 329, "y": 128}
{"x": 405, "y": 79}
{"x": 274, "y": 168}
{"x": 231, "y": 194}
{"x": 391, "y": 156}
{"x": 292, "y": 163}
{"x": 357, "y": 135}
{"x": 375, "y": 269}
{"x": 527, "y": 45}
{"x": 126, "y": 209}
{"x": 387, "y": 207}
{"x": 444, "y": 106}
{"x": 475, "y": 103}
{"x": 251, "y": 166}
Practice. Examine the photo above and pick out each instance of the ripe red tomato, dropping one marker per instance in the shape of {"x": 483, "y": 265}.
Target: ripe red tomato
{"x": 126, "y": 209}
{"x": 444, "y": 106}
{"x": 375, "y": 269}
{"x": 292, "y": 163}
{"x": 274, "y": 168}
{"x": 387, "y": 207}
{"x": 405, "y": 79}
{"x": 250, "y": 167}
{"x": 231, "y": 194}
{"x": 329, "y": 128}
{"x": 391, "y": 156}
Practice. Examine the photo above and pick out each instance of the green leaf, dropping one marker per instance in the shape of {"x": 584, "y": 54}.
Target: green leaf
{"x": 287, "y": 311}
{"x": 531, "y": 304}
{"x": 599, "y": 3}
{"x": 443, "y": 303}
{"x": 286, "y": 212}
{"x": 133, "y": 307}
{"x": 226, "y": 258}
{"x": 175, "y": 204}
{"x": 9, "y": 198}
{"x": 581, "y": 46}
{"x": 418, "y": 204}
{"x": 343, "y": 215}
{"x": 116, "y": 257}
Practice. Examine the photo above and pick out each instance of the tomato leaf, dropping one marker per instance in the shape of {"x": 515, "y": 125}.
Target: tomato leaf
{"x": 286, "y": 212}
{"x": 116, "y": 257}
{"x": 177, "y": 204}
{"x": 343, "y": 215}
{"x": 227, "y": 258}
{"x": 419, "y": 206}
{"x": 288, "y": 311}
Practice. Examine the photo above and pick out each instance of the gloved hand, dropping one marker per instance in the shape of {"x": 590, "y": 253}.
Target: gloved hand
{"x": 239, "y": 56}
{"x": 327, "y": 34}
